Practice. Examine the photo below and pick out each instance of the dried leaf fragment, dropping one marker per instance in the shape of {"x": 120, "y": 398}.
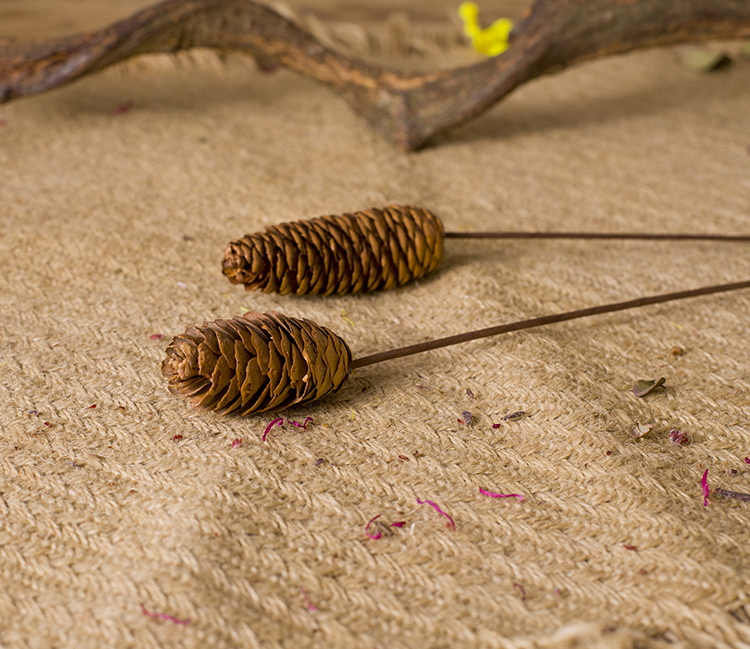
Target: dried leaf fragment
{"x": 702, "y": 59}
{"x": 640, "y": 430}
{"x": 643, "y": 386}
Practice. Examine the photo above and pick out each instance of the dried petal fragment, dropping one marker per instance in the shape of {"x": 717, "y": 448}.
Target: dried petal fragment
{"x": 438, "y": 510}
{"x": 310, "y": 606}
{"x": 492, "y": 494}
{"x": 375, "y": 536}
{"x": 678, "y": 437}
{"x": 303, "y": 425}
{"x": 275, "y": 422}
{"x": 164, "y": 616}
{"x": 123, "y": 108}
{"x": 643, "y": 386}
{"x": 704, "y": 487}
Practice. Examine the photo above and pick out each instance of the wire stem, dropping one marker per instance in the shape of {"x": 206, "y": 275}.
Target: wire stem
{"x": 625, "y": 236}
{"x": 544, "y": 320}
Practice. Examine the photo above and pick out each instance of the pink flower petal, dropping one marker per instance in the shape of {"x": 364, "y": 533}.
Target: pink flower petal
{"x": 375, "y": 536}
{"x": 123, "y": 108}
{"x": 492, "y": 494}
{"x": 303, "y": 426}
{"x": 236, "y": 443}
{"x": 704, "y": 486}
{"x": 310, "y": 606}
{"x": 164, "y": 616}
{"x": 438, "y": 510}
{"x": 275, "y": 422}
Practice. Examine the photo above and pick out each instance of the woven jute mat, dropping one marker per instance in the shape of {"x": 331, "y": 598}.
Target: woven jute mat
{"x": 128, "y": 520}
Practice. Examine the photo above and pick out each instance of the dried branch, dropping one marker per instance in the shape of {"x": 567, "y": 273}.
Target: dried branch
{"x": 406, "y": 109}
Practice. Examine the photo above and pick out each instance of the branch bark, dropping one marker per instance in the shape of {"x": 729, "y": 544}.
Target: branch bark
{"x": 406, "y": 109}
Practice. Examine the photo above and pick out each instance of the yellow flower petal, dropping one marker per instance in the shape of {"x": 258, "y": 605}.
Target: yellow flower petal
{"x": 490, "y": 41}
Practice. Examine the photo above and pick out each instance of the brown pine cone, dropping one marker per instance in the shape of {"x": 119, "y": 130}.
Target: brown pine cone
{"x": 364, "y": 251}
{"x": 256, "y": 362}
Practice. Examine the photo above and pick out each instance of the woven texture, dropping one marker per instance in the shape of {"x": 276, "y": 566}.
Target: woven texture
{"x": 116, "y": 494}
{"x": 256, "y": 362}
{"x": 365, "y": 251}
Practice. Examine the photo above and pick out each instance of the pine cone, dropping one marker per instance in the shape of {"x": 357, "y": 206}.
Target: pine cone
{"x": 256, "y": 362}
{"x": 365, "y": 251}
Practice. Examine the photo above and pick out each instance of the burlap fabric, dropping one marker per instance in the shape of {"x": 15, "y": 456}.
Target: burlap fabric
{"x": 119, "y": 506}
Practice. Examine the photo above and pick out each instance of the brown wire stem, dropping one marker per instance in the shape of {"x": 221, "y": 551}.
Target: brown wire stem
{"x": 544, "y": 320}
{"x": 732, "y": 494}
{"x": 625, "y": 236}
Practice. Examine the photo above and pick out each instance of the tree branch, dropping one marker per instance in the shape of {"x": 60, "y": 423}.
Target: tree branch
{"x": 406, "y": 109}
